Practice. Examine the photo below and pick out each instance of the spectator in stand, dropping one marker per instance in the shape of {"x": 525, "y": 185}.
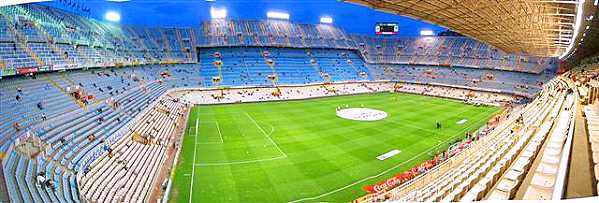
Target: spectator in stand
{"x": 91, "y": 137}
{"x": 17, "y": 126}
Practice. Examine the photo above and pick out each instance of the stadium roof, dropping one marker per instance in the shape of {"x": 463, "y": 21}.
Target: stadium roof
{"x": 588, "y": 43}
{"x": 536, "y": 27}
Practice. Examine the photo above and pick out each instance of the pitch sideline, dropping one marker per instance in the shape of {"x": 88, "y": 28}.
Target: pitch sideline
{"x": 193, "y": 169}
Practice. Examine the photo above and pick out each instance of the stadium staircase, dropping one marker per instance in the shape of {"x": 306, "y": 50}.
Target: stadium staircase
{"x": 64, "y": 76}
{"x": 219, "y": 68}
{"x": 136, "y": 38}
{"x": 22, "y": 42}
{"x": 350, "y": 62}
{"x": 316, "y": 66}
{"x": 302, "y": 37}
{"x": 52, "y": 45}
{"x": 165, "y": 45}
{"x": 188, "y": 55}
{"x": 62, "y": 89}
{"x": 270, "y": 62}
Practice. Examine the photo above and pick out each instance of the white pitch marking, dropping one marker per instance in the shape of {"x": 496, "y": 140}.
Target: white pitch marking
{"x": 193, "y": 170}
{"x": 267, "y": 136}
{"x": 219, "y": 134}
{"x": 240, "y": 162}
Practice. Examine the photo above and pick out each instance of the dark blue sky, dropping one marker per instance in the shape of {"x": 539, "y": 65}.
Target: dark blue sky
{"x": 353, "y": 18}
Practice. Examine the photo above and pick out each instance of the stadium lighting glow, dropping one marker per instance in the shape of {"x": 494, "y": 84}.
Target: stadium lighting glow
{"x": 218, "y": 13}
{"x": 577, "y": 25}
{"x": 118, "y": 1}
{"x": 277, "y": 15}
{"x": 596, "y": 2}
{"x": 112, "y": 16}
{"x": 426, "y": 33}
{"x": 328, "y": 20}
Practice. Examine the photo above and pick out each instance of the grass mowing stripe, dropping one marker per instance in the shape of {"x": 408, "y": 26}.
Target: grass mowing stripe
{"x": 324, "y": 152}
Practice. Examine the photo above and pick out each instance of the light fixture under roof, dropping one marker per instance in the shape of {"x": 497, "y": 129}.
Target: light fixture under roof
{"x": 326, "y": 19}
{"x": 217, "y": 13}
{"x": 426, "y": 33}
{"x": 277, "y": 15}
{"x": 118, "y": 1}
{"x": 577, "y": 25}
{"x": 112, "y": 16}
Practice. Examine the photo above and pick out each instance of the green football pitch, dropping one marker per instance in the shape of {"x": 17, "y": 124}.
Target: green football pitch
{"x": 300, "y": 151}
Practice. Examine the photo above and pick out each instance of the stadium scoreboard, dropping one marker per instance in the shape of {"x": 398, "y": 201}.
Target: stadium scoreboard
{"x": 387, "y": 28}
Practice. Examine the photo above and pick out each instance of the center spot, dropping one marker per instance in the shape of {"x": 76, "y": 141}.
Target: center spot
{"x": 361, "y": 114}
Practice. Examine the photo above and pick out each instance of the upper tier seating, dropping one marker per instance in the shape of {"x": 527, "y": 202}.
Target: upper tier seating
{"x": 56, "y": 39}
{"x": 520, "y": 83}
{"x": 446, "y": 51}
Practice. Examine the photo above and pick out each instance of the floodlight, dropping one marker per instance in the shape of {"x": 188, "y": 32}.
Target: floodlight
{"x": 328, "y": 20}
{"x": 426, "y": 33}
{"x": 277, "y": 15}
{"x": 112, "y": 16}
{"x": 218, "y": 12}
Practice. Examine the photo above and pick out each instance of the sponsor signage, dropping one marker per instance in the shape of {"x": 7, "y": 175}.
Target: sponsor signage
{"x": 26, "y": 70}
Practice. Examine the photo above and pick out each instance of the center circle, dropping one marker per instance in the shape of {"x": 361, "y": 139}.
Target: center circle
{"x": 362, "y": 114}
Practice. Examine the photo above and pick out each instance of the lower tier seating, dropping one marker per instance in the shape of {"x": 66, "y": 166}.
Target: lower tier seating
{"x": 494, "y": 166}
{"x": 128, "y": 172}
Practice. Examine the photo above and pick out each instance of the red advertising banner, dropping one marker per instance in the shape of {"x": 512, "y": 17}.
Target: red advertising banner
{"x": 400, "y": 178}
{"x": 26, "y": 70}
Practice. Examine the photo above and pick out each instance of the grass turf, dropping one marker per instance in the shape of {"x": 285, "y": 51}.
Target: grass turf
{"x": 300, "y": 150}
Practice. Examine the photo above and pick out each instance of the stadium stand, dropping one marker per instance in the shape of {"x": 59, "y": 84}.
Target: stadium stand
{"x": 78, "y": 89}
{"x": 501, "y": 158}
{"x": 127, "y": 172}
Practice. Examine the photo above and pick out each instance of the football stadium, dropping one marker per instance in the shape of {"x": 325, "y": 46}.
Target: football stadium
{"x": 299, "y": 100}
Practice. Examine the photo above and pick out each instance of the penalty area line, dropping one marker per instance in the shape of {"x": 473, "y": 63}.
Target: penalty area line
{"x": 240, "y": 162}
{"x": 266, "y": 135}
{"x": 219, "y": 133}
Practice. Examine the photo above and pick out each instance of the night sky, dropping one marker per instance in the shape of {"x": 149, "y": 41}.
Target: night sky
{"x": 168, "y": 13}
